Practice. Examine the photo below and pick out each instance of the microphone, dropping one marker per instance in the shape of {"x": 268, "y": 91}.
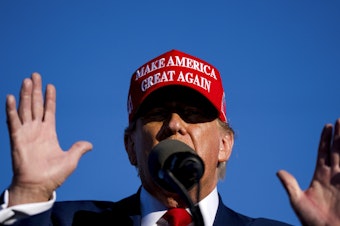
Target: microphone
{"x": 178, "y": 159}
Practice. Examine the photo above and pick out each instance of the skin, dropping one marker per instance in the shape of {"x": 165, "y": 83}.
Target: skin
{"x": 33, "y": 139}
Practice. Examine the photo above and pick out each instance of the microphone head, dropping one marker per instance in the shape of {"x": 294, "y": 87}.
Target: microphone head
{"x": 178, "y": 158}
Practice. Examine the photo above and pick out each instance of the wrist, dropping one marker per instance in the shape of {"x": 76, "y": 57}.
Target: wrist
{"x": 27, "y": 194}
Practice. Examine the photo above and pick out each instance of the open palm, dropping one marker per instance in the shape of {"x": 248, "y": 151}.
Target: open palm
{"x": 320, "y": 203}
{"x": 39, "y": 164}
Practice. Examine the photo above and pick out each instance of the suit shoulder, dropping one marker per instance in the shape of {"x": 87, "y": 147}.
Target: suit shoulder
{"x": 246, "y": 220}
{"x": 227, "y": 216}
{"x": 92, "y": 205}
{"x": 96, "y": 205}
{"x": 91, "y": 212}
{"x": 269, "y": 222}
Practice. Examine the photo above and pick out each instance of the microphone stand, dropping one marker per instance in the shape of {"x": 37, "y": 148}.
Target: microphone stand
{"x": 181, "y": 190}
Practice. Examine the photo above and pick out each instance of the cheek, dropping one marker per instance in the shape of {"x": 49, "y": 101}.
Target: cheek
{"x": 144, "y": 141}
{"x": 207, "y": 146}
{"x": 208, "y": 150}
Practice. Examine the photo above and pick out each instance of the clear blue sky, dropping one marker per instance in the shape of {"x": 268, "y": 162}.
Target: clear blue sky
{"x": 280, "y": 63}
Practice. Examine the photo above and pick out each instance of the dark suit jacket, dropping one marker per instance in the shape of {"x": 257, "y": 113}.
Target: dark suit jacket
{"x": 100, "y": 213}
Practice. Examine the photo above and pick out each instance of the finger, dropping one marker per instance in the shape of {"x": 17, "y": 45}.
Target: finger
{"x": 336, "y": 145}
{"x": 77, "y": 151}
{"x": 13, "y": 119}
{"x": 37, "y": 97}
{"x": 50, "y": 104}
{"x": 325, "y": 147}
{"x": 291, "y": 185}
{"x": 25, "y": 102}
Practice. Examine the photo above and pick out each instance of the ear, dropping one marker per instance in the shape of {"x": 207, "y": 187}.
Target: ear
{"x": 226, "y": 146}
{"x": 130, "y": 148}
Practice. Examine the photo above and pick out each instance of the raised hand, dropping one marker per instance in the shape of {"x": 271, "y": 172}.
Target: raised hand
{"x": 320, "y": 203}
{"x": 39, "y": 164}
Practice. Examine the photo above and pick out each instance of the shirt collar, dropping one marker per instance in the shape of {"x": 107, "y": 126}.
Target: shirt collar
{"x": 152, "y": 209}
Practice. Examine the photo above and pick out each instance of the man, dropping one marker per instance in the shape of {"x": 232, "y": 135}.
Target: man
{"x": 172, "y": 97}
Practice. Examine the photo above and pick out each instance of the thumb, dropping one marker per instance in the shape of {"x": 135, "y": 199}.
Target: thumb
{"x": 291, "y": 185}
{"x": 78, "y": 149}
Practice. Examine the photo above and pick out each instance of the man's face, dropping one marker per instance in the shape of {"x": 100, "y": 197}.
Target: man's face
{"x": 181, "y": 114}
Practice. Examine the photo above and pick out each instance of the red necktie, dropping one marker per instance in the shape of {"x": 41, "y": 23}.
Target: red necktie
{"x": 177, "y": 217}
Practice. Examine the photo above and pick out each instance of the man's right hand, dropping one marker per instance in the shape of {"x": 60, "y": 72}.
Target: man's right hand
{"x": 40, "y": 166}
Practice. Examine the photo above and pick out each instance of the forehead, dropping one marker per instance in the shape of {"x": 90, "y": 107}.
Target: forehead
{"x": 176, "y": 95}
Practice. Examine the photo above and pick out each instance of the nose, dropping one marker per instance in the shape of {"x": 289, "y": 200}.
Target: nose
{"x": 173, "y": 125}
{"x": 176, "y": 124}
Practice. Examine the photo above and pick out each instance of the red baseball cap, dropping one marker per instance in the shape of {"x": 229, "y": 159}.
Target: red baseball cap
{"x": 181, "y": 69}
